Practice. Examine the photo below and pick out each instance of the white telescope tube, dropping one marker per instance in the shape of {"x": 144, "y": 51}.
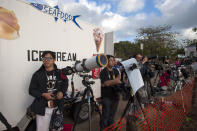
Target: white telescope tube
{"x": 88, "y": 64}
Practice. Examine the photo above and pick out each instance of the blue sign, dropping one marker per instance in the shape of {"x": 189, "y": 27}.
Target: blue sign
{"x": 56, "y": 13}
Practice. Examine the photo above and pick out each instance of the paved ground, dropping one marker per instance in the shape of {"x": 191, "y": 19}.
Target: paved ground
{"x": 190, "y": 123}
{"x": 95, "y": 118}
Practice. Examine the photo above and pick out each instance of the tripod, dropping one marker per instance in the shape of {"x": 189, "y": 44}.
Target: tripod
{"x": 132, "y": 104}
{"x": 179, "y": 81}
{"x": 5, "y": 122}
{"x": 158, "y": 74}
{"x": 130, "y": 101}
{"x": 7, "y": 125}
{"x": 90, "y": 99}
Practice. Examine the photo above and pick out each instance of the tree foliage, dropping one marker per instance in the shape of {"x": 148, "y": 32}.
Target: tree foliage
{"x": 125, "y": 49}
{"x": 189, "y": 42}
{"x": 159, "y": 40}
{"x": 195, "y": 29}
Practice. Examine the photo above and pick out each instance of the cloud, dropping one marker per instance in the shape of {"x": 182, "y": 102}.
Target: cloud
{"x": 92, "y": 6}
{"x": 51, "y": 2}
{"x": 167, "y": 6}
{"x": 113, "y": 21}
{"x": 101, "y": 16}
{"x": 91, "y": 12}
{"x": 128, "y": 6}
{"x": 188, "y": 33}
{"x": 181, "y": 14}
{"x": 141, "y": 16}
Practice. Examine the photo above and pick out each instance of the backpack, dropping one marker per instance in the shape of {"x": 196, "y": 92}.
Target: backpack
{"x": 57, "y": 120}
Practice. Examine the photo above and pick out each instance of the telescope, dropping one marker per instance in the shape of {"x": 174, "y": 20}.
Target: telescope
{"x": 86, "y": 65}
{"x": 82, "y": 68}
{"x": 133, "y": 74}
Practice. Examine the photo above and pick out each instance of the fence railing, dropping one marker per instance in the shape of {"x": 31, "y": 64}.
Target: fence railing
{"x": 165, "y": 114}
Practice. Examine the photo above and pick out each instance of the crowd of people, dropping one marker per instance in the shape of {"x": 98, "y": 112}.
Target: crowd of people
{"x": 49, "y": 85}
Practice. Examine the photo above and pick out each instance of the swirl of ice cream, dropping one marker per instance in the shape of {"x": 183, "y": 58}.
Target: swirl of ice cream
{"x": 9, "y": 28}
{"x": 98, "y": 37}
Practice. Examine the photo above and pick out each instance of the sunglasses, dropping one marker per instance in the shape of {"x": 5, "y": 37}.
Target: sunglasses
{"x": 47, "y": 58}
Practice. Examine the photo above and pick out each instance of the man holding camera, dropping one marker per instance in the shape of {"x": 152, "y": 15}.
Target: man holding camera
{"x": 110, "y": 78}
{"x": 48, "y": 85}
{"x": 147, "y": 72}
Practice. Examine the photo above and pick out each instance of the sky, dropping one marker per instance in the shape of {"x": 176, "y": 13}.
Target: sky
{"x": 125, "y": 17}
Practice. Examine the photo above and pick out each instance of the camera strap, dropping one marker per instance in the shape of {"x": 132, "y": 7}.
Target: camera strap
{"x": 113, "y": 74}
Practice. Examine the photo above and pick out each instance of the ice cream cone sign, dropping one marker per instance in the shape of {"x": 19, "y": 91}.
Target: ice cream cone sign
{"x": 98, "y": 38}
{"x": 9, "y": 28}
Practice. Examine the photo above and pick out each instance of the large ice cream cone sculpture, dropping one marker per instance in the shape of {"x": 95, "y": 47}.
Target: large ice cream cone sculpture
{"x": 9, "y": 28}
{"x": 98, "y": 38}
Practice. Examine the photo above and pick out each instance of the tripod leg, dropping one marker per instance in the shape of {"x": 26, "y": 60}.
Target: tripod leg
{"x": 156, "y": 77}
{"x": 177, "y": 86}
{"x": 134, "y": 100}
{"x": 5, "y": 122}
{"x": 151, "y": 89}
{"x": 131, "y": 100}
{"x": 76, "y": 120}
{"x": 182, "y": 99}
{"x": 94, "y": 103}
{"x": 90, "y": 96}
{"x": 89, "y": 109}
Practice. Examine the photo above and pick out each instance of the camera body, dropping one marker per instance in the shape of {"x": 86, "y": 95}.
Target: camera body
{"x": 158, "y": 67}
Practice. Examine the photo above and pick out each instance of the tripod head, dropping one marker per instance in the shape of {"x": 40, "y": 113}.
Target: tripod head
{"x": 86, "y": 80}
